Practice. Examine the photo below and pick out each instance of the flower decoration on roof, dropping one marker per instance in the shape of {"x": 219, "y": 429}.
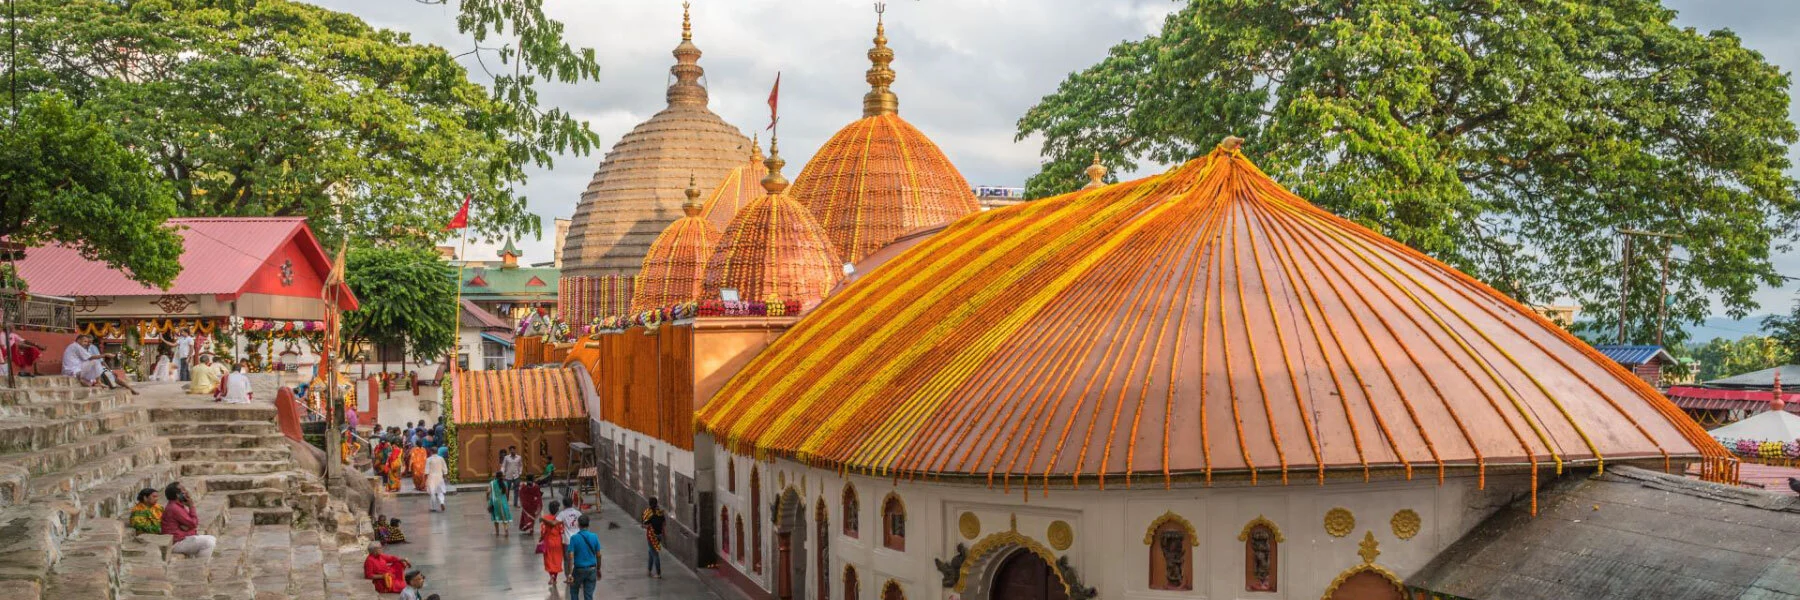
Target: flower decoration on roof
{"x": 674, "y": 270}
{"x": 773, "y": 251}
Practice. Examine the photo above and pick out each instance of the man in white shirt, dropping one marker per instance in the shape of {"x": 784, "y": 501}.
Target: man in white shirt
{"x": 571, "y": 520}
{"x": 511, "y": 467}
{"x": 237, "y": 386}
{"x": 184, "y": 353}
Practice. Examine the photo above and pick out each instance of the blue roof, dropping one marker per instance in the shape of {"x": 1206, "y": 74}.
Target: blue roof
{"x": 1633, "y": 355}
{"x": 496, "y": 339}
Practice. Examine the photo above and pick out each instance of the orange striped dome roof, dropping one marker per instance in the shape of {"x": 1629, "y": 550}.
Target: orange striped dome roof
{"x": 879, "y": 177}
{"x": 674, "y": 270}
{"x": 741, "y": 185}
{"x": 773, "y": 250}
{"x": 1201, "y": 321}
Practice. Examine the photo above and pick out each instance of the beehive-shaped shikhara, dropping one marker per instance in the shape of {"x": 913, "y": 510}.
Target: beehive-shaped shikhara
{"x": 740, "y": 186}
{"x": 674, "y": 270}
{"x": 879, "y": 177}
{"x": 1199, "y": 322}
{"x": 635, "y": 193}
{"x": 773, "y": 251}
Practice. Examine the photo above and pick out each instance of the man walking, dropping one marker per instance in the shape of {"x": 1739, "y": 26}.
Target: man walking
{"x": 184, "y": 353}
{"x": 511, "y": 467}
{"x": 584, "y": 550}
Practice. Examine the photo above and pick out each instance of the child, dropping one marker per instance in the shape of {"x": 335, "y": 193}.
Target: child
{"x": 393, "y": 532}
{"x": 381, "y": 528}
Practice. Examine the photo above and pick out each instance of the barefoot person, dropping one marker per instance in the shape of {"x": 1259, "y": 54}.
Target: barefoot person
{"x": 237, "y": 386}
{"x": 653, "y": 521}
{"x": 387, "y": 571}
{"x": 550, "y": 540}
{"x": 146, "y": 515}
{"x": 21, "y": 354}
{"x": 415, "y": 460}
{"x": 498, "y": 507}
{"x": 531, "y": 501}
{"x": 182, "y": 523}
{"x": 435, "y": 471}
{"x": 204, "y": 378}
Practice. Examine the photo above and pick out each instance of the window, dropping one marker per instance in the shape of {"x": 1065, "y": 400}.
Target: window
{"x": 893, "y": 524}
{"x": 1262, "y": 543}
{"x": 740, "y": 538}
{"x": 725, "y": 531}
{"x": 756, "y": 520}
{"x": 1171, "y": 540}
{"x": 852, "y": 508}
{"x": 892, "y": 591}
{"x": 731, "y": 475}
{"x": 851, "y": 585}
{"x": 822, "y": 523}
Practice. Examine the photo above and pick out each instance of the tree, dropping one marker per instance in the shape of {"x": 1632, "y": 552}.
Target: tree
{"x": 1507, "y": 138}
{"x": 1724, "y": 358}
{"x": 65, "y": 179}
{"x": 1785, "y": 330}
{"x": 279, "y": 108}
{"x": 406, "y": 296}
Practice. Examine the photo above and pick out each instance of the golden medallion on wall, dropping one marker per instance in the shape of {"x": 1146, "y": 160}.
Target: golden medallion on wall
{"x": 1339, "y": 522}
{"x": 1406, "y": 524}
{"x": 969, "y": 525}
{"x": 1061, "y": 535}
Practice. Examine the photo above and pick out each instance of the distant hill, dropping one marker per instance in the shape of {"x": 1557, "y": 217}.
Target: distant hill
{"x": 1725, "y": 327}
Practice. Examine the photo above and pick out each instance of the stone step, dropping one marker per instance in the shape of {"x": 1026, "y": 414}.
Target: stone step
{"x": 31, "y": 435}
{"x": 113, "y": 500}
{"x": 32, "y": 544}
{"x": 228, "y": 483}
{"x": 306, "y": 569}
{"x": 230, "y": 454}
{"x": 252, "y": 428}
{"x": 71, "y": 482}
{"x": 90, "y": 565}
{"x": 26, "y": 401}
{"x": 67, "y": 455}
{"x": 271, "y": 559}
{"x": 217, "y": 413}
{"x": 194, "y": 469}
{"x": 257, "y": 498}
{"x": 44, "y": 382}
{"x": 223, "y": 441}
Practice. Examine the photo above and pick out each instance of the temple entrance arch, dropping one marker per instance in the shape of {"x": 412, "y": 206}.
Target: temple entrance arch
{"x": 1005, "y": 565}
{"x": 790, "y": 546}
{"x": 1025, "y": 576}
{"x": 1365, "y": 582}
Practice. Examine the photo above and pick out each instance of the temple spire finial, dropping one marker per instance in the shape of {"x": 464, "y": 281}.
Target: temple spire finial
{"x": 1096, "y": 173}
{"x": 687, "y": 71}
{"x": 687, "y": 24}
{"x": 756, "y": 154}
{"x": 692, "y": 206}
{"x": 774, "y": 183}
{"x": 880, "y": 100}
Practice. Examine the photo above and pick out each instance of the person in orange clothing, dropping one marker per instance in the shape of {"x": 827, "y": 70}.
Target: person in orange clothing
{"x": 415, "y": 460}
{"x": 550, "y": 542}
{"x": 386, "y": 570}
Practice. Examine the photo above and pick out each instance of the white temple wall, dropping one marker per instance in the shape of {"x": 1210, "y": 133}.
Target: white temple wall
{"x": 1107, "y": 549}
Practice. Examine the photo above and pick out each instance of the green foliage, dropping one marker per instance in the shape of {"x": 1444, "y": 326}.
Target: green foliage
{"x": 64, "y": 178}
{"x": 1785, "y": 330}
{"x": 405, "y": 296}
{"x": 1504, "y": 137}
{"x": 1724, "y": 358}
{"x": 273, "y": 107}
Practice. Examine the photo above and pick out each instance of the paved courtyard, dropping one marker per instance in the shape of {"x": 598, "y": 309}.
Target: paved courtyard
{"x": 463, "y": 560}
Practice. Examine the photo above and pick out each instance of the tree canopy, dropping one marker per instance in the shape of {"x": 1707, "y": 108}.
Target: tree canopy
{"x": 1510, "y": 139}
{"x": 65, "y": 179}
{"x": 1721, "y": 357}
{"x": 272, "y": 107}
{"x": 406, "y": 297}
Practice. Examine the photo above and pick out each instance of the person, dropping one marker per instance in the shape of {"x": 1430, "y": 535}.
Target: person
{"x": 164, "y": 369}
{"x": 415, "y": 584}
{"x": 498, "y": 507}
{"x": 83, "y": 361}
{"x": 531, "y": 500}
{"x": 584, "y": 555}
{"x": 22, "y": 354}
{"x": 180, "y": 521}
{"x": 386, "y": 570}
{"x": 237, "y": 386}
{"x": 350, "y": 416}
{"x": 394, "y": 535}
{"x": 184, "y": 353}
{"x": 512, "y": 466}
{"x": 653, "y": 521}
{"x": 407, "y": 432}
{"x": 436, "y": 469}
{"x": 550, "y": 541}
{"x": 146, "y": 515}
{"x": 391, "y": 476}
{"x": 415, "y": 460}
{"x": 348, "y": 447}
{"x": 204, "y": 378}
{"x": 380, "y": 524}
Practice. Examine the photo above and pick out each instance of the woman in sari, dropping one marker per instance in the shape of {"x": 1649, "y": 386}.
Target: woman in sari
{"x": 391, "y": 478}
{"x": 550, "y": 541}
{"x": 498, "y": 506}
{"x": 415, "y": 460}
{"x": 531, "y": 501}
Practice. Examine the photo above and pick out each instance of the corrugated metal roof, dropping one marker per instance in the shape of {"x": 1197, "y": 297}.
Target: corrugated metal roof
{"x": 219, "y": 257}
{"x": 1633, "y": 355}
{"x": 474, "y": 316}
{"x": 1764, "y": 379}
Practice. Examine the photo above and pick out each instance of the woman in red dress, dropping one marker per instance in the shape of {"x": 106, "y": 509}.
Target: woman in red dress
{"x": 531, "y": 502}
{"x": 550, "y": 538}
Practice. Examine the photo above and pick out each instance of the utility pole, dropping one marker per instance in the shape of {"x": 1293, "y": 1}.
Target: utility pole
{"x": 1626, "y": 257}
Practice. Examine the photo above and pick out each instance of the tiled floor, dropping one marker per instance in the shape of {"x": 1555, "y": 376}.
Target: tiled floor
{"x": 463, "y": 560}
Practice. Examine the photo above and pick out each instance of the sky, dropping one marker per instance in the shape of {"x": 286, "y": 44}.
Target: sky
{"x": 966, "y": 71}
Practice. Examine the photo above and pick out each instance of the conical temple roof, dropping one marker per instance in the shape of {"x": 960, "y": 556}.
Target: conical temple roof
{"x": 636, "y": 192}
{"x": 1197, "y": 322}
{"x": 879, "y": 177}
{"x": 674, "y": 269}
{"x": 773, "y": 250}
{"x": 742, "y": 185}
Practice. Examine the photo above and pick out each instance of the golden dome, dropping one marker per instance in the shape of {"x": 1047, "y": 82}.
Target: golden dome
{"x": 635, "y": 195}
{"x": 740, "y": 186}
{"x": 774, "y": 251}
{"x": 674, "y": 270}
{"x": 1096, "y": 173}
{"x": 879, "y": 177}
{"x": 1201, "y": 321}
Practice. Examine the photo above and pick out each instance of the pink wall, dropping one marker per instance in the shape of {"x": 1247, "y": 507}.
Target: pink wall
{"x": 50, "y": 363}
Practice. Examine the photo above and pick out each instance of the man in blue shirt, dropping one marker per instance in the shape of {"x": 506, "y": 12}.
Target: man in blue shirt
{"x": 584, "y": 554}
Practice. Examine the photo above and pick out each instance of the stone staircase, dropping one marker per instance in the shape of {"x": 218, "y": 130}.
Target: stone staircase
{"x": 72, "y": 460}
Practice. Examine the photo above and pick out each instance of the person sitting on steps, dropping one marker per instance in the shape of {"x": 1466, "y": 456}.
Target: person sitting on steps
{"x": 182, "y": 523}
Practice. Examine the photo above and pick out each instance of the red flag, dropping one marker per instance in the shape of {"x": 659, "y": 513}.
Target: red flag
{"x": 461, "y": 219}
{"x": 774, "y": 98}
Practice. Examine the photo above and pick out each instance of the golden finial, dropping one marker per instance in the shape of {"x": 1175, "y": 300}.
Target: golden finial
{"x": 1232, "y": 143}
{"x": 1096, "y": 173}
{"x": 687, "y": 70}
{"x": 692, "y": 206}
{"x": 774, "y": 183}
{"x": 756, "y": 154}
{"x": 880, "y": 100}
{"x": 687, "y": 25}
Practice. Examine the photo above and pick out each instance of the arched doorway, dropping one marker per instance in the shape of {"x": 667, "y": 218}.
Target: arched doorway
{"x": 1365, "y": 583}
{"x": 790, "y": 547}
{"x": 1025, "y": 576}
